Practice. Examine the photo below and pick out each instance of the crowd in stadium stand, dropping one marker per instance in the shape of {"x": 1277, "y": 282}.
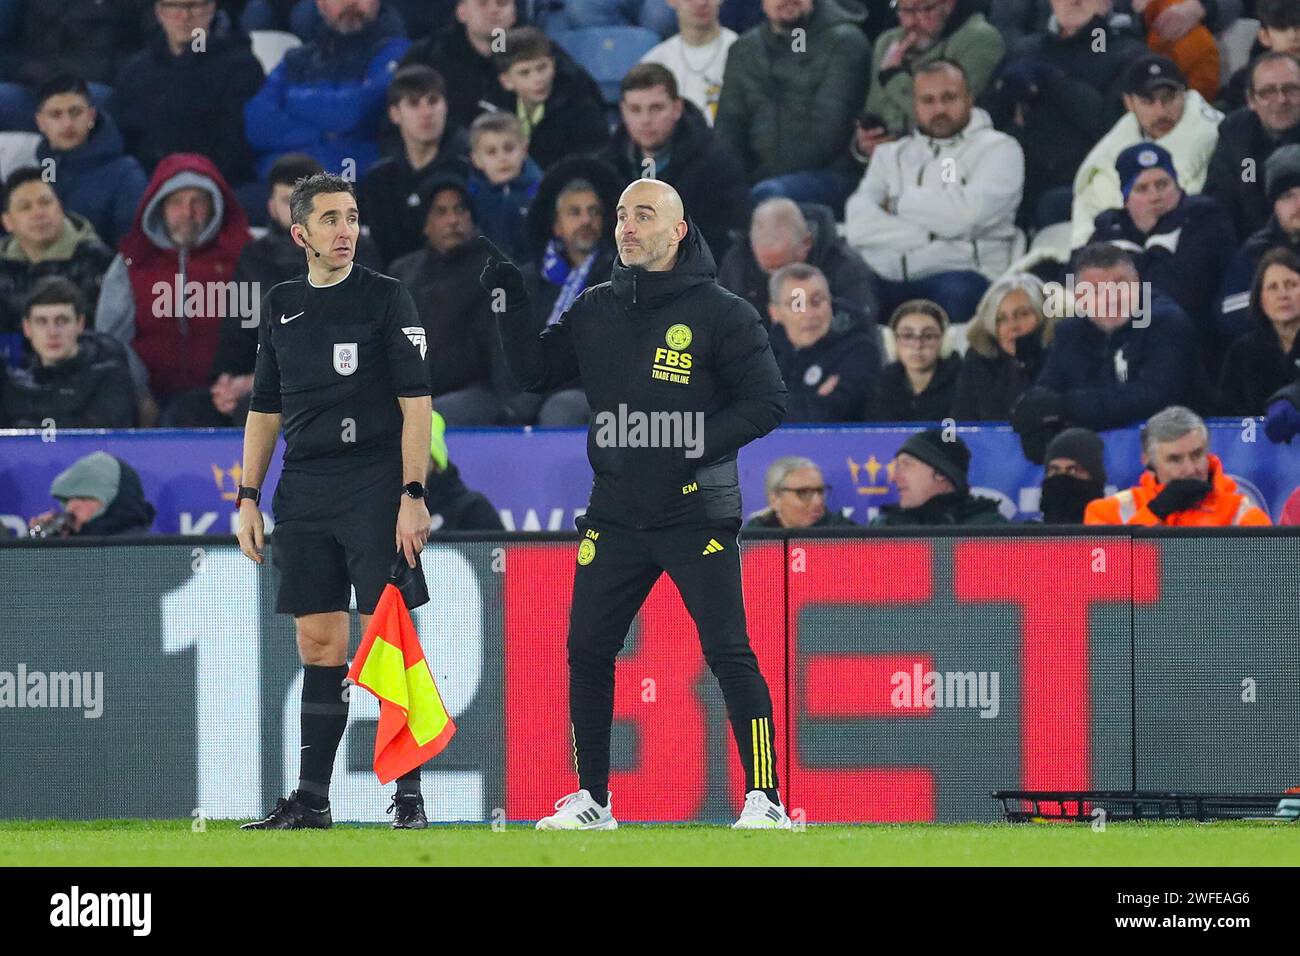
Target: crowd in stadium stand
{"x": 903, "y": 188}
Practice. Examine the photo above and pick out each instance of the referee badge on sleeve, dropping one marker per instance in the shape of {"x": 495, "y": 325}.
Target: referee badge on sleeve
{"x": 416, "y": 334}
{"x": 345, "y": 357}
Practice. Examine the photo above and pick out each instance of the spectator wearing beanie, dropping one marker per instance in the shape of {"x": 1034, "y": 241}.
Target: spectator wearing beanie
{"x": 1161, "y": 110}
{"x": 93, "y": 174}
{"x": 181, "y": 96}
{"x": 104, "y": 495}
{"x": 556, "y": 101}
{"x": 326, "y": 98}
{"x": 930, "y": 470}
{"x": 430, "y": 148}
{"x": 1006, "y": 345}
{"x": 1074, "y": 475}
{"x": 829, "y": 365}
{"x": 1182, "y": 244}
{"x": 1249, "y": 136}
{"x": 1266, "y": 359}
{"x": 1282, "y": 182}
{"x": 921, "y": 385}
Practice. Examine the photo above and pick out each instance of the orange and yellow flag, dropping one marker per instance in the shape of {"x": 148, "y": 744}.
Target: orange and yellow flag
{"x": 414, "y": 726}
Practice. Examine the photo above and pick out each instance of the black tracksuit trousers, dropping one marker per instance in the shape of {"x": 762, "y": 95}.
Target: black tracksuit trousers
{"x": 617, "y": 567}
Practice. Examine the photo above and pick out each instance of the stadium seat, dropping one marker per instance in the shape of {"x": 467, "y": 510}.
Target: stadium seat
{"x": 270, "y": 46}
{"x": 954, "y": 340}
{"x": 607, "y": 53}
{"x": 17, "y": 150}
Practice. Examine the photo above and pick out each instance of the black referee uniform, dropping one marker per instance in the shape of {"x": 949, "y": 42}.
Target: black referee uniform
{"x": 671, "y": 341}
{"x": 333, "y": 361}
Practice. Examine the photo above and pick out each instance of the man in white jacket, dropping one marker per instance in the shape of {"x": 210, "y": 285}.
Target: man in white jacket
{"x": 1162, "y": 110}
{"x": 935, "y": 214}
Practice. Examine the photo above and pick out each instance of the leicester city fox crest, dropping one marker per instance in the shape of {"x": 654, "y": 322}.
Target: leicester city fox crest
{"x": 345, "y": 357}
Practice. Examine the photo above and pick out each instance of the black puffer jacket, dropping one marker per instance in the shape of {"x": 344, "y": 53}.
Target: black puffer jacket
{"x": 659, "y": 342}
{"x": 92, "y": 389}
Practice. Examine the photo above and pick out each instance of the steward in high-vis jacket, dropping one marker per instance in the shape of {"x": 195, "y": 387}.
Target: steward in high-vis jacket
{"x": 679, "y": 375}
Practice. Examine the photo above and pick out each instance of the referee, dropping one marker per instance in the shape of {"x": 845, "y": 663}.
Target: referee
{"x": 340, "y": 364}
{"x": 661, "y": 338}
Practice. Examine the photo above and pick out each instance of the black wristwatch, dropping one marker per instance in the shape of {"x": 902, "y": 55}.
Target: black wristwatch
{"x": 254, "y": 494}
{"x": 414, "y": 489}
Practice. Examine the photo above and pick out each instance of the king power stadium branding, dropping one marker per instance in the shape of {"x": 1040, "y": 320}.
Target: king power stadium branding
{"x": 539, "y": 480}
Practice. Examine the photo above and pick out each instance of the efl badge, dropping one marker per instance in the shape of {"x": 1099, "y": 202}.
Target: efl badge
{"x": 678, "y": 337}
{"x": 345, "y": 357}
{"x": 416, "y": 334}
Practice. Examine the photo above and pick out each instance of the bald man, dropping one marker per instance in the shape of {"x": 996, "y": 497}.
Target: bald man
{"x": 679, "y": 375}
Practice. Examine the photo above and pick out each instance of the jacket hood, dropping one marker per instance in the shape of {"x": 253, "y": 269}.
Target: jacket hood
{"x": 635, "y": 288}
{"x": 443, "y": 486}
{"x": 76, "y": 230}
{"x": 541, "y": 212}
{"x": 102, "y": 146}
{"x": 229, "y": 225}
{"x": 129, "y": 511}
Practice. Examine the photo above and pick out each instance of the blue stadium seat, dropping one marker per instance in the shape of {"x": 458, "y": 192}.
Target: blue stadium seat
{"x": 607, "y": 53}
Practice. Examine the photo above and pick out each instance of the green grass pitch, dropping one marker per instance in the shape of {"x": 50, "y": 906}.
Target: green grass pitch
{"x": 173, "y": 843}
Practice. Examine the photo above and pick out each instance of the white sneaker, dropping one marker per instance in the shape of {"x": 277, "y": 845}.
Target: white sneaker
{"x": 1288, "y": 807}
{"x": 578, "y": 811}
{"x": 761, "y": 813}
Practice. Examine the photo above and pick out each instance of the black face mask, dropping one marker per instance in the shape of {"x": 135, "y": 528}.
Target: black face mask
{"x": 1065, "y": 497}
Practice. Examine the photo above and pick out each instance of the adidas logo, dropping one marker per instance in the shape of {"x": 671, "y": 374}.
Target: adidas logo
{"x": 589, "y": 816}
{"x": 712, "y": 547}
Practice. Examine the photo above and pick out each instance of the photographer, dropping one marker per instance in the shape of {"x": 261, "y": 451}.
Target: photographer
{"x": 100, "y": 495}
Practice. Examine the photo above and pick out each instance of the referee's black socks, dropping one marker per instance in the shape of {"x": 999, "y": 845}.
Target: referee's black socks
{"x": 324, "y": 718}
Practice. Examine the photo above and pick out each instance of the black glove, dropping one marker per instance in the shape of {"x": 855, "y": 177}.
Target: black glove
{"x": 1037, "y": 416}
{"x": 1179, "y": 495}
{"x": 409, "y": 581}
{"x": 500, "y": 273}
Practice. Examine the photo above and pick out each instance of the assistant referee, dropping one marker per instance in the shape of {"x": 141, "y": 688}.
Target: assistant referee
{"x": 661, "y": 338}
{"x": 340, "y": 363}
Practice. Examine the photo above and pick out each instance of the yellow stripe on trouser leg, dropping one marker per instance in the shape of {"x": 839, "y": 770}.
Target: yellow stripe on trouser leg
{"x": 753, "y": 736}
{"x": 767, "y": 735}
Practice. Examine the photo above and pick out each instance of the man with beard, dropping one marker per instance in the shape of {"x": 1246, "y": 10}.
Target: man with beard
{"x": 1075, "y": 474}
{"x": 661, "y": 338}
{"x": 935, "y": 214}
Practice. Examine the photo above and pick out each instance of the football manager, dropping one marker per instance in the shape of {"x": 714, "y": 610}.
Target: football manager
{"x": 662, "y": 339}
{"x": 340, "y": 364}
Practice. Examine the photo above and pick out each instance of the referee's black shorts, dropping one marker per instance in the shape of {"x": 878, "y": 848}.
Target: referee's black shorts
{"x": 334, "y": 531}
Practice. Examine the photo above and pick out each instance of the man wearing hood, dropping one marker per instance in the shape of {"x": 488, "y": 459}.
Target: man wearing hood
{"x": 44, "y": 241}
{"x": 326, "y": 98}
{"x": 663, "y": 340}
{"x": 1183, "y": 484}
{"x": 790, "y": 91}
{"x": 185, "y": 92}
{"x": 101, "y": 495}
{"x": 93, "y": 174}
{"x": 935, "y": 214}
{"x": 1074, "y": 474}
{"x": 930, "y": 470}
{"x": 189, "y": 229}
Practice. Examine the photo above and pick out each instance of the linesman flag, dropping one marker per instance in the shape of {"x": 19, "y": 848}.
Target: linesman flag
{"x": 414, "y": 725}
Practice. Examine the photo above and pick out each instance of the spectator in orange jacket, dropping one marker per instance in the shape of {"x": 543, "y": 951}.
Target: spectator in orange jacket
{"x": 1196, "y": 52}
{"x": 1183, "y": 486}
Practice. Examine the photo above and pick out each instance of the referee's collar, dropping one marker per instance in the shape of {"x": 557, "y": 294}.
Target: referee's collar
{"x": 332, "y": 284}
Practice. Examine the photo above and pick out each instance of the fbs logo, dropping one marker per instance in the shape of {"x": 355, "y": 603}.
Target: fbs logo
{"x": 712, "y": 547}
